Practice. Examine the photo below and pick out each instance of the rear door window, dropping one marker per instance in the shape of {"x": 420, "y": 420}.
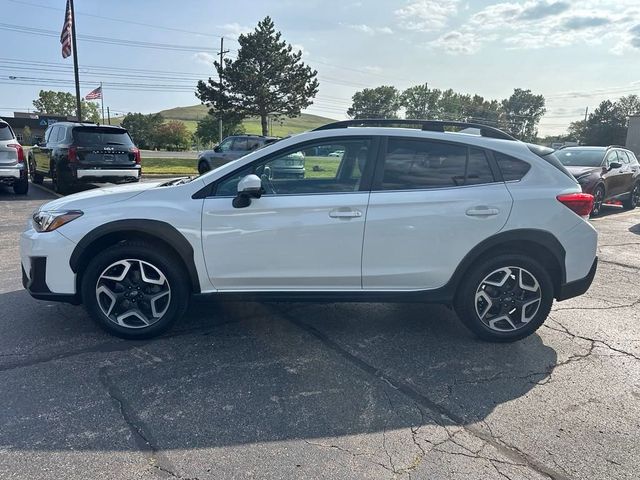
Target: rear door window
{"x": 421, "y": 164}
{"x": 97, "y": 136}
{"x": 5, "y": 132}
{"x": 240, "y": 145}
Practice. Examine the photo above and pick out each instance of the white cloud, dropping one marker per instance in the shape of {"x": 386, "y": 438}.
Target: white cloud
{"x": 456, "y": 42}
{"x": 233, "y": 30}
{"x": 426, "y": 15}
{"x": 204, "y": 58}
{"x": 361, "y": 27}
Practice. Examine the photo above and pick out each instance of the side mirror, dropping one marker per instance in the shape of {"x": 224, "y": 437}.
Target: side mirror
{"x": 216, "y": 148}
{"x": 248, "y": 187}
{"x": 613, "y": 165}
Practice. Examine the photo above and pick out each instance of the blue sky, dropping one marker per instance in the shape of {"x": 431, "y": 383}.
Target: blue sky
{"x": 575, "y": 53}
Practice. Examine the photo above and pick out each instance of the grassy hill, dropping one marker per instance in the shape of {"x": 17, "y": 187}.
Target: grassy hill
{"x": 190, "y": 116}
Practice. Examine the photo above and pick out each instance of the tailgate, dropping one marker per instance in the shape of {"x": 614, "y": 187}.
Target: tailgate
{"x": 8, "y": 155}
{"x": 105, "y": 157}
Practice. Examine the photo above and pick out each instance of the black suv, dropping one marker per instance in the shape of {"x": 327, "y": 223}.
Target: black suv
{"x": 84, "y": 152}
{"x": 231, "y": 148}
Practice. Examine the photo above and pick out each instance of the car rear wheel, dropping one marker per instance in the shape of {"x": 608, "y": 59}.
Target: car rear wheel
{"x": 135, "y": 290}
{"x": 203, "y": 167}
{"x": 60, "y": 182}
{"x": 35, "y": 176}
{"x": 634, "y": 198}
{"x": 598, "y": 200}
{"x": 505, "y": 298}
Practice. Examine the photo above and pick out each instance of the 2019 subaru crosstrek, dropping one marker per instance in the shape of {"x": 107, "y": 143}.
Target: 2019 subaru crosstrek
{"x": 478, "y": 220}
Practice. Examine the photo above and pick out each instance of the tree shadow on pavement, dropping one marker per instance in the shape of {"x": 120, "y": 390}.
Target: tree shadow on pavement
{"x": 237, "y": 373}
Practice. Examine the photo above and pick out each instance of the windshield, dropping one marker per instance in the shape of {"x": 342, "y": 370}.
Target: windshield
{"x": 89, "y": 136}
{"x": 580, "y": 157}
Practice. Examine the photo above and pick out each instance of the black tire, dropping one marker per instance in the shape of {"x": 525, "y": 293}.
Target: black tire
{"x": 634, "y": 197}
{"x": 466, "y": 300}
{"x": 203, "y": 167}
{"x": 598, "y": 199}
{"x": 60, "y": 181}
{"x": 36, "y": 177}
{"x": 159, "y": 258}
{"x": 21, "y": 186}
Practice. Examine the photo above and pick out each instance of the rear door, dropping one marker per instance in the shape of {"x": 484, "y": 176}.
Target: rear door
{"x": 8, "y": 155}
{"x": 431, "y": 203}
{"x": 104, "y": 147}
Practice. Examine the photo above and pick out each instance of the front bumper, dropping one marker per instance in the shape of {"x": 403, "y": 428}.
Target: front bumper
{"x": 36, "y": 284}
{"x": 46, "y": 273}
{"x": 578, "y": 287}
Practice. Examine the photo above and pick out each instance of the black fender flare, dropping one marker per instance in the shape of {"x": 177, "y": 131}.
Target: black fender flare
{"x": 153, "y": 228}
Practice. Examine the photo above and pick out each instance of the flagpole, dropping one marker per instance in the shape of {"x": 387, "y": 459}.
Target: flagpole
{"x": 102, "y": 100}
{"x": 75, "y": 61}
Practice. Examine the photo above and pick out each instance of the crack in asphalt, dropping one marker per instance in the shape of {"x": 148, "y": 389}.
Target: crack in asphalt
{"x": 610, "y": 307}
{"x": 141, "y": 436}
{"x": 619, "y": 264}
{"x": 509, "y": 451}
{"x": 593, "y": 341}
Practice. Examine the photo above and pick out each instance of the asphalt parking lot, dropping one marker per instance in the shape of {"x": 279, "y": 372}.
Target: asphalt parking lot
{"x": 249, "y": 390}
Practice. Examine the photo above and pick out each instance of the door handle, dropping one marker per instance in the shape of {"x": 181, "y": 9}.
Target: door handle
{"x": 482, "y": 211}
{"x": 345, "y": 212}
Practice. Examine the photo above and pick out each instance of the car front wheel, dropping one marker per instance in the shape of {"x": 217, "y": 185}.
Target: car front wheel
{"x": 203, "y": 167}
{"x": 505, "y": 298}
{"x": 598, "y": 200}
{"x": 134, "y": 290}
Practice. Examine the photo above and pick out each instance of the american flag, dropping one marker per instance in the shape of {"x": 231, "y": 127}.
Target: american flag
{"x": 94, "y": 94}
{"x": 65, "y": 35}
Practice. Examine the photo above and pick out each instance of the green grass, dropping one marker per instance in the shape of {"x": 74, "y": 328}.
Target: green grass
{"x": 190, "y": 116}
{"x": 169, "y": 166}
{"x": 327, "y": 166}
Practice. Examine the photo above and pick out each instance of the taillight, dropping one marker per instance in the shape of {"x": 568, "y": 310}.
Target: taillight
{"x": 20, "y": 151}
{"x": 580, "y": 203}
{"x": 136, "y": 154}
{"x": 73, "y": 154}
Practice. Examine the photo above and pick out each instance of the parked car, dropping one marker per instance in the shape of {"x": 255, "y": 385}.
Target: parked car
{"x": 493, "y": 226}
{"x": 608, "y": 173}
{"x": 337, "y": 153}
{"x": 13, "y": 168}
{"x": 231, "y": 148}
{"x": 74, "y": 153}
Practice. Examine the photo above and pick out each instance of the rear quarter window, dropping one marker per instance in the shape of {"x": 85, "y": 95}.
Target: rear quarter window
{"x": 511, "y": 168}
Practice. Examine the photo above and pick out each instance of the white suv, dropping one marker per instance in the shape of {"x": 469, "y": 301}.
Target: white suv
{"x": 13, "y": 168}
{"x": 473, "y": 218}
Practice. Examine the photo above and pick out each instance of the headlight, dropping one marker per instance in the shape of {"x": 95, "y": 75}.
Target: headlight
{"x": 48, "y": 221}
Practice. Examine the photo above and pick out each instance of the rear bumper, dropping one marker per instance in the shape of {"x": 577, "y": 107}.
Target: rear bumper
{"x": 14, "y": 171}
{"x": 578, "y": 287}
{"x": 108, "y": 173}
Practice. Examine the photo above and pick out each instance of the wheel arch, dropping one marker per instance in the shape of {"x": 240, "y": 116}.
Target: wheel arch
{"x": 153, "y": 231}
{"x": 537, "y": 244}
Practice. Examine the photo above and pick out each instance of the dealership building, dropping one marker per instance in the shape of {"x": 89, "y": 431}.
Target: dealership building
{"x": 37, "y": 123}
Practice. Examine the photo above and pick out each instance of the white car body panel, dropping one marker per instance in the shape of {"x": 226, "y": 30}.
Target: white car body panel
{"x": 415, "y": 239}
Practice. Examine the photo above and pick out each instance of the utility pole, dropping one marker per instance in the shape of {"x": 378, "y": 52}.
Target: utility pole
{"x": 586, "y": 113}
{"x": 222, "y": 52}
{"x": 108, "y": 116}
{"x": 75, "y": 60}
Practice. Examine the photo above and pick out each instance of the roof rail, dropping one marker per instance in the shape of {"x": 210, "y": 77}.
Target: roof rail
{"x": 428, "y": 125}
{"x": 616, "y": 146}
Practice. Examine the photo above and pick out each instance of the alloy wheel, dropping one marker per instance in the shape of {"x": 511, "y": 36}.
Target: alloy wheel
{"x": 508, "y": 298}
{"x": 635, "y": 195}
{"x": 598, "y": 198}
{"x": 133, "y": 293}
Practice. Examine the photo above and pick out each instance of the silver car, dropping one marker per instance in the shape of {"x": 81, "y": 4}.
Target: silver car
{"x": 13, "y": 168}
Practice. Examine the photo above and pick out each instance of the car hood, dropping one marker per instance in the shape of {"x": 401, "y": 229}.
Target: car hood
{"x": 98, "y": 196}
{"x": 576, "y": 171}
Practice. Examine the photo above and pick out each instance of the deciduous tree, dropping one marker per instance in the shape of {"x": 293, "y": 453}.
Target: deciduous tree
{"x": 380, "y": 102}
{"x": 64, "y": 103}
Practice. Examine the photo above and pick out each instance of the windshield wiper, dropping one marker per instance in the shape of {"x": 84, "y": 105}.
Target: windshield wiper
{"x": 177, "y": 181}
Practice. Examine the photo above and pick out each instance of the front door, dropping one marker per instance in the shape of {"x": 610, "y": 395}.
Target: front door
{"x": 430, "y": 204}
{"x": 42, "y": 152}
{"x": 303, "y": 233}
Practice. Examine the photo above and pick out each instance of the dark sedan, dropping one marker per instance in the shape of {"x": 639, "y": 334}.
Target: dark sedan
{"x": 610, "y": 174}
